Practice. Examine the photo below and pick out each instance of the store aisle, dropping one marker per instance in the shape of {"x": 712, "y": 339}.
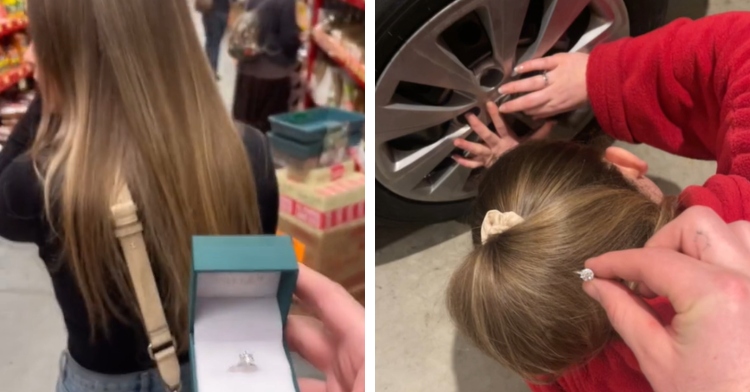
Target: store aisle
{"x": 32, "y": 333}
{"x": 227, "y": 67}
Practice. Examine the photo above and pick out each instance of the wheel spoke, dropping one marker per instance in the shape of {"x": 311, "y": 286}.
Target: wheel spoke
{"x": 454, "y": 178}
{"x": 401, "y": 119}
{"x": 427, "y": 62}
{"x": 593, "y": 37}
{"x": 503, "y": 21}
{"x": 558, "y": 17}
{"x": 608, "y": 23}
{"x": 413, "y": 167}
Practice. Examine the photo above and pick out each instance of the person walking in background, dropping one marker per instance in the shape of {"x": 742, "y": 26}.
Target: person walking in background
{"x": 264, "y": 80}
{"x": 215, "y": 21}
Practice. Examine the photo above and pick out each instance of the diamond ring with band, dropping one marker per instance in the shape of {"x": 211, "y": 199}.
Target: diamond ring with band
{"x": 246, "y": 364}
{"x": 546, "y": 79}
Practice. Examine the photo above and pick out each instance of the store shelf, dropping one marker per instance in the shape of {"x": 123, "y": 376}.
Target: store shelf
{"x": 11, "y": 77}
{"x": 351, "y": 65}
{"x": 356, "y": 3}
{"x": 12, "y": 25}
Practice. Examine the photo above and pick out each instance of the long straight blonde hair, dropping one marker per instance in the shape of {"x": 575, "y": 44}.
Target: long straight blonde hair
{"x": 129, "y": 97}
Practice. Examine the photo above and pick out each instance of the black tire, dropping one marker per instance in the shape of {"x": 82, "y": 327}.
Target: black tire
{"x": 395, "y": 22}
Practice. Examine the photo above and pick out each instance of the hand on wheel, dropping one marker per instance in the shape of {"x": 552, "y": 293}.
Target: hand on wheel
{"x": 702, "y": 265}
{"x": 561, "y": 88}
{"x": 495, "y": 144}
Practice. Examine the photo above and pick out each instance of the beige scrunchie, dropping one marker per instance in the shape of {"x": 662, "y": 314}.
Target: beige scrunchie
{"x": 496, "y": 222}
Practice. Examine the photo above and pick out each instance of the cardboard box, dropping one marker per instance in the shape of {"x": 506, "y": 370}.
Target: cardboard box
{"x": 320, "y": 175}
{"x": 241, "y": 292}
{"x": 327, "y": 224}
{"x": 323, "y": 206}
{"x": 338, "y": 253}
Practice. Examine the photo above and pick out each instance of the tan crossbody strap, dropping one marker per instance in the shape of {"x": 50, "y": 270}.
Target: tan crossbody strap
{"x": 129, "y": 231}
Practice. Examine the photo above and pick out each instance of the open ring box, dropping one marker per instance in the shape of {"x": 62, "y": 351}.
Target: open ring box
{"x": 241, "y": 292}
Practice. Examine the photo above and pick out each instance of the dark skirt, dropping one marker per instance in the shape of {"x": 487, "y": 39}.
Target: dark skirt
{"x": 255, "y": 99}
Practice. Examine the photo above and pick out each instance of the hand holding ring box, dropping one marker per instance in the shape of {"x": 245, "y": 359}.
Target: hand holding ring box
{"x": 241, "y": 292}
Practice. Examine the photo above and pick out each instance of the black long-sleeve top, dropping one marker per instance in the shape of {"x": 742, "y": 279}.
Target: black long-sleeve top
{"x": 22, "y": 219}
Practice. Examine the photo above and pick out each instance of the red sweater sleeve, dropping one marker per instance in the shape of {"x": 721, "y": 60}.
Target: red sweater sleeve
{"x": 615, "y": 368}
{"x": 685, "y": 89}
{"x": 545, "y": 388}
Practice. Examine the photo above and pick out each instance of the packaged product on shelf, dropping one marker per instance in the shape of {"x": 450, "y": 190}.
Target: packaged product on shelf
{"x": 359, "y": 156}
{"x": 11, "y": 112}
{"x": 4, "y": 60}
{"x": 326, "y": 86}
{"x": 352, "y": 97}
{"x": 332, "y": 86}
{"x": 14, "y": 56}
{"x": 303, "y": 16}
{"x": 351, "y": 39}
{"x": 14, "y": 8}
{"x": 335, "y": 146}
{"x": 4, "y": 133}
{"x": 27, "y": 96}
{"x": 21, "y": 42}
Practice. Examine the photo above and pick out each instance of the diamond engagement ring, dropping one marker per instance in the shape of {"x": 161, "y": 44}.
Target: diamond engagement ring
{"x": 586, "y": 274}
{"x": 546, "y": 79}
{"x": 246, "y": 364}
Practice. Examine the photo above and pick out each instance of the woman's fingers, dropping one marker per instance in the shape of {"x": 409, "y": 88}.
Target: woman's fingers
{"x": 475, "y": 149}
{"x": 526, "y": 102}
{"x": 665, "y": 272}
{"x": 742, "y": 230}
{"x": 307, "y": 337}
{"x": 488, "y": 136}
{"x": 500, "y": 127}
{"x": 632, "y": 318}
{"x": 471, "y": 164}
{"x": 524, "y": 85}
{"x": 541, "y": 64}
{"x": 329, "y": 302}
{"x": 546, "y": 111}
{"x": 700, "y": 233}
{"x": 697, "y": 234}
{"x": 311, "y": 385}
{"x": 544, "y": 131}
{"x": 539, "y": 112}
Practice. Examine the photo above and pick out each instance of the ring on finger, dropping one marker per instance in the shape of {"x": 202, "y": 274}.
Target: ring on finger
{"x": 546, "y": 79}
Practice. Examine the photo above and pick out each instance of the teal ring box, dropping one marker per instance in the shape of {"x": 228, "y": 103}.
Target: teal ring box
{"x": 240, "y": 295}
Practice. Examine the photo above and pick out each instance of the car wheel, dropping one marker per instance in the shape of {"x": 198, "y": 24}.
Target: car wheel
{"x": 437, "y": 60}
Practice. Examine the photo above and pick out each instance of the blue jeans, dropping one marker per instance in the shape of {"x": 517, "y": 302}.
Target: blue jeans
{"x": 74, "y": 378}
{"x": 215, "y": 24}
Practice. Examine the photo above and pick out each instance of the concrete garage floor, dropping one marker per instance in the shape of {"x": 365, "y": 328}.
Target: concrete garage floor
{"x": 417, "y": 349}
{"x": 32, "y": 333}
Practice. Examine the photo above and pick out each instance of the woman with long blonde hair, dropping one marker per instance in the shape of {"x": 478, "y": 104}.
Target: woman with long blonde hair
{"x": 128, "y": 99}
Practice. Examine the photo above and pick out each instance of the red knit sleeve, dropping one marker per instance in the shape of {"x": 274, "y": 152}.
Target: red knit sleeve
{"x": 545, "y": 388}
{"x": 685, "y": 89}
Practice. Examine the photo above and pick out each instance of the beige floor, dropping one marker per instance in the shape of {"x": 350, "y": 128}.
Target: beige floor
{"x": 417, "y": 349}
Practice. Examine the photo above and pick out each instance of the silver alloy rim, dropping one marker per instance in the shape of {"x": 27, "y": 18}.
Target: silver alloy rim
{"x": 425, "y": 60}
